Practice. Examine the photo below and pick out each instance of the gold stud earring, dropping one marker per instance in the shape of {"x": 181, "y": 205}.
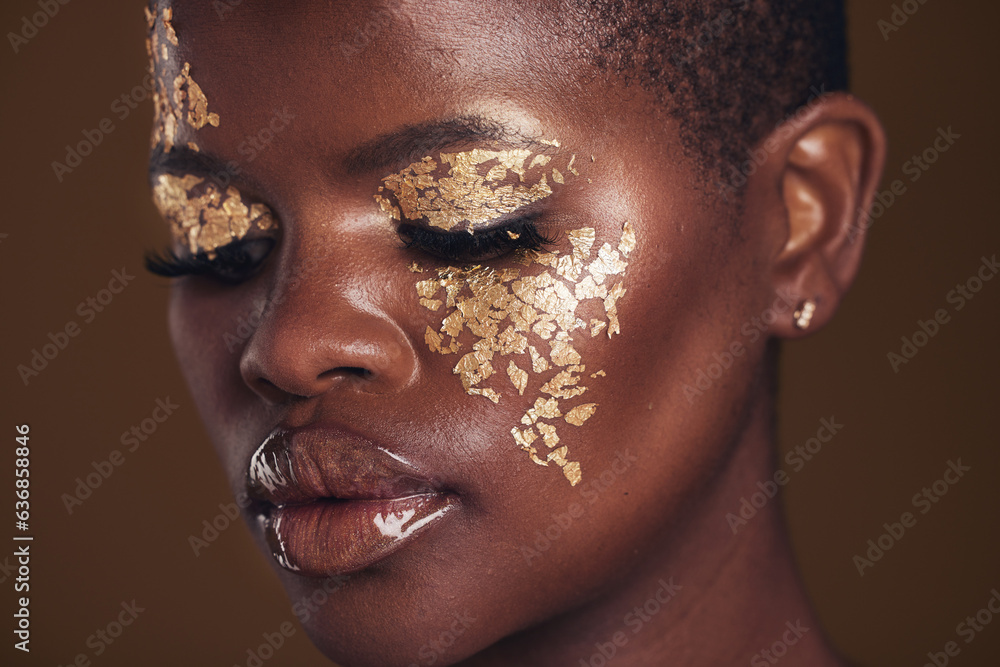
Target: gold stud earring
{"x": 803, "y": 314}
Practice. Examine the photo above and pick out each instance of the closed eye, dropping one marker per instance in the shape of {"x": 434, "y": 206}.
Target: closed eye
{"x": 489, "y": 243}
{"x": 232, "y": 264}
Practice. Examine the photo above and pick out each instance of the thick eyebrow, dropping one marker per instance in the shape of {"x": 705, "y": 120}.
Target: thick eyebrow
{"x": 414, "y": 142}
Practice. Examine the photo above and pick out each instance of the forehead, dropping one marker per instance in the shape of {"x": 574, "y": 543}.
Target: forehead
{"x": 357, "y": 69}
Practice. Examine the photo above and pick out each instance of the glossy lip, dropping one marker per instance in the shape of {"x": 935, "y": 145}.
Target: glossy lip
{"x": 333, "y": 502}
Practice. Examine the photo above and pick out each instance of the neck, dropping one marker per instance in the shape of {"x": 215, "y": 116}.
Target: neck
{"x": 730, "y": 598}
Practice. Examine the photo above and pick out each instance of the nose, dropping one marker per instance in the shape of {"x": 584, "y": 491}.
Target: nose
{"x": 316, "y": 334}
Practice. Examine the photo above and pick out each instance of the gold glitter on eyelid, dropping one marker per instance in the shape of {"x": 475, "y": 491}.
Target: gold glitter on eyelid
{"x": 207, "y": 221}
{"x": 482, "y": 301}
{"x": 466, "y": 196}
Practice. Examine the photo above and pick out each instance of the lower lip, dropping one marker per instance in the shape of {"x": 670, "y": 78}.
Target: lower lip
{"x": 329, "y": 537}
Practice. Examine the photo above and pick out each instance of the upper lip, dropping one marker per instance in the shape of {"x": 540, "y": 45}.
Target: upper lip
{"x": 299, "y": 465}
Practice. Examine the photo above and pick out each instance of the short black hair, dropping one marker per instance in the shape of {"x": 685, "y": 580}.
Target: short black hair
{"x": 728, "y": 70}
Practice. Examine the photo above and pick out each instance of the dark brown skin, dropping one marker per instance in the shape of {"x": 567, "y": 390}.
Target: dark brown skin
{"x": 692, "y": 284}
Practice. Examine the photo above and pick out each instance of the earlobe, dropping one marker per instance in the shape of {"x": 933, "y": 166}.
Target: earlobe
{"x": 832, "y": 167}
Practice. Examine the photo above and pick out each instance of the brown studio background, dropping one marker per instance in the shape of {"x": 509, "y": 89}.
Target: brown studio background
{"x": 129, "y": 540}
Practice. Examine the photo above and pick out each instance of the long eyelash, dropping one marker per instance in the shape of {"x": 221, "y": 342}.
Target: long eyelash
{"x": 230, "y": 264}
{"x": 516, "y": 234}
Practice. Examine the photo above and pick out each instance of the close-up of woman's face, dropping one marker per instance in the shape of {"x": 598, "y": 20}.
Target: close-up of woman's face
{"x": 453, "y": 293}
{"x": 501, "y": 333}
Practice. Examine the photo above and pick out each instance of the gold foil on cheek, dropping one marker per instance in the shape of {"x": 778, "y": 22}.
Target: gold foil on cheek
{"x": 466, "y": 195}
{"x": 518, "y": 377}
{"x": 176, "y": 100}
{"x": 500, "y": 309}
{"x": 581, "y": 413}
{"x": 201, "y": 217}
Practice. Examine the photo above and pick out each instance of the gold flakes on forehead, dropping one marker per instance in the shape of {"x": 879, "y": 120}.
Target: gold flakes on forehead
{"x": 502, "y": 309}
{"x": 480, "y": 185}
{"x": 176, "y": 100}
{"x": 202, "y": 217}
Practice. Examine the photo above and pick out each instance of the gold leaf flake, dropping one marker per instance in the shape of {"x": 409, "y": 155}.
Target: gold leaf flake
{"x": 558, "y": 456}
{"x": 581, "y": 413}
{"x": 598, "y": 374}
{"x": 524, "y": 438}
{"x": 611, "y": 308}
{"x": 596, "y": 327}
{"x": 627, "y": 243}
{"x": 518, "y": 377}
{"x": 563, "y": 353}
{"x": 563, "y": 385}
{"x": 432, "y": 304}
{"x": 415, "y": 268}
{"x": 539, "y": 160}
{"x": 572, "y": 472}
{"x": 168, "y": 15}
{"x": 557, "y": 176}
{"x": 428, "y": 288}
{"x": 549, "y": 435}
{"x": 488, "y": 393}
{"x": 539, "y": 364}
{"x": 544, "y": 408}
{"x": 582, "y": 240}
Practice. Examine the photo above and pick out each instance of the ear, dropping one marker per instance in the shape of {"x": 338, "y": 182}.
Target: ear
{"x": 828, "y": 164}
